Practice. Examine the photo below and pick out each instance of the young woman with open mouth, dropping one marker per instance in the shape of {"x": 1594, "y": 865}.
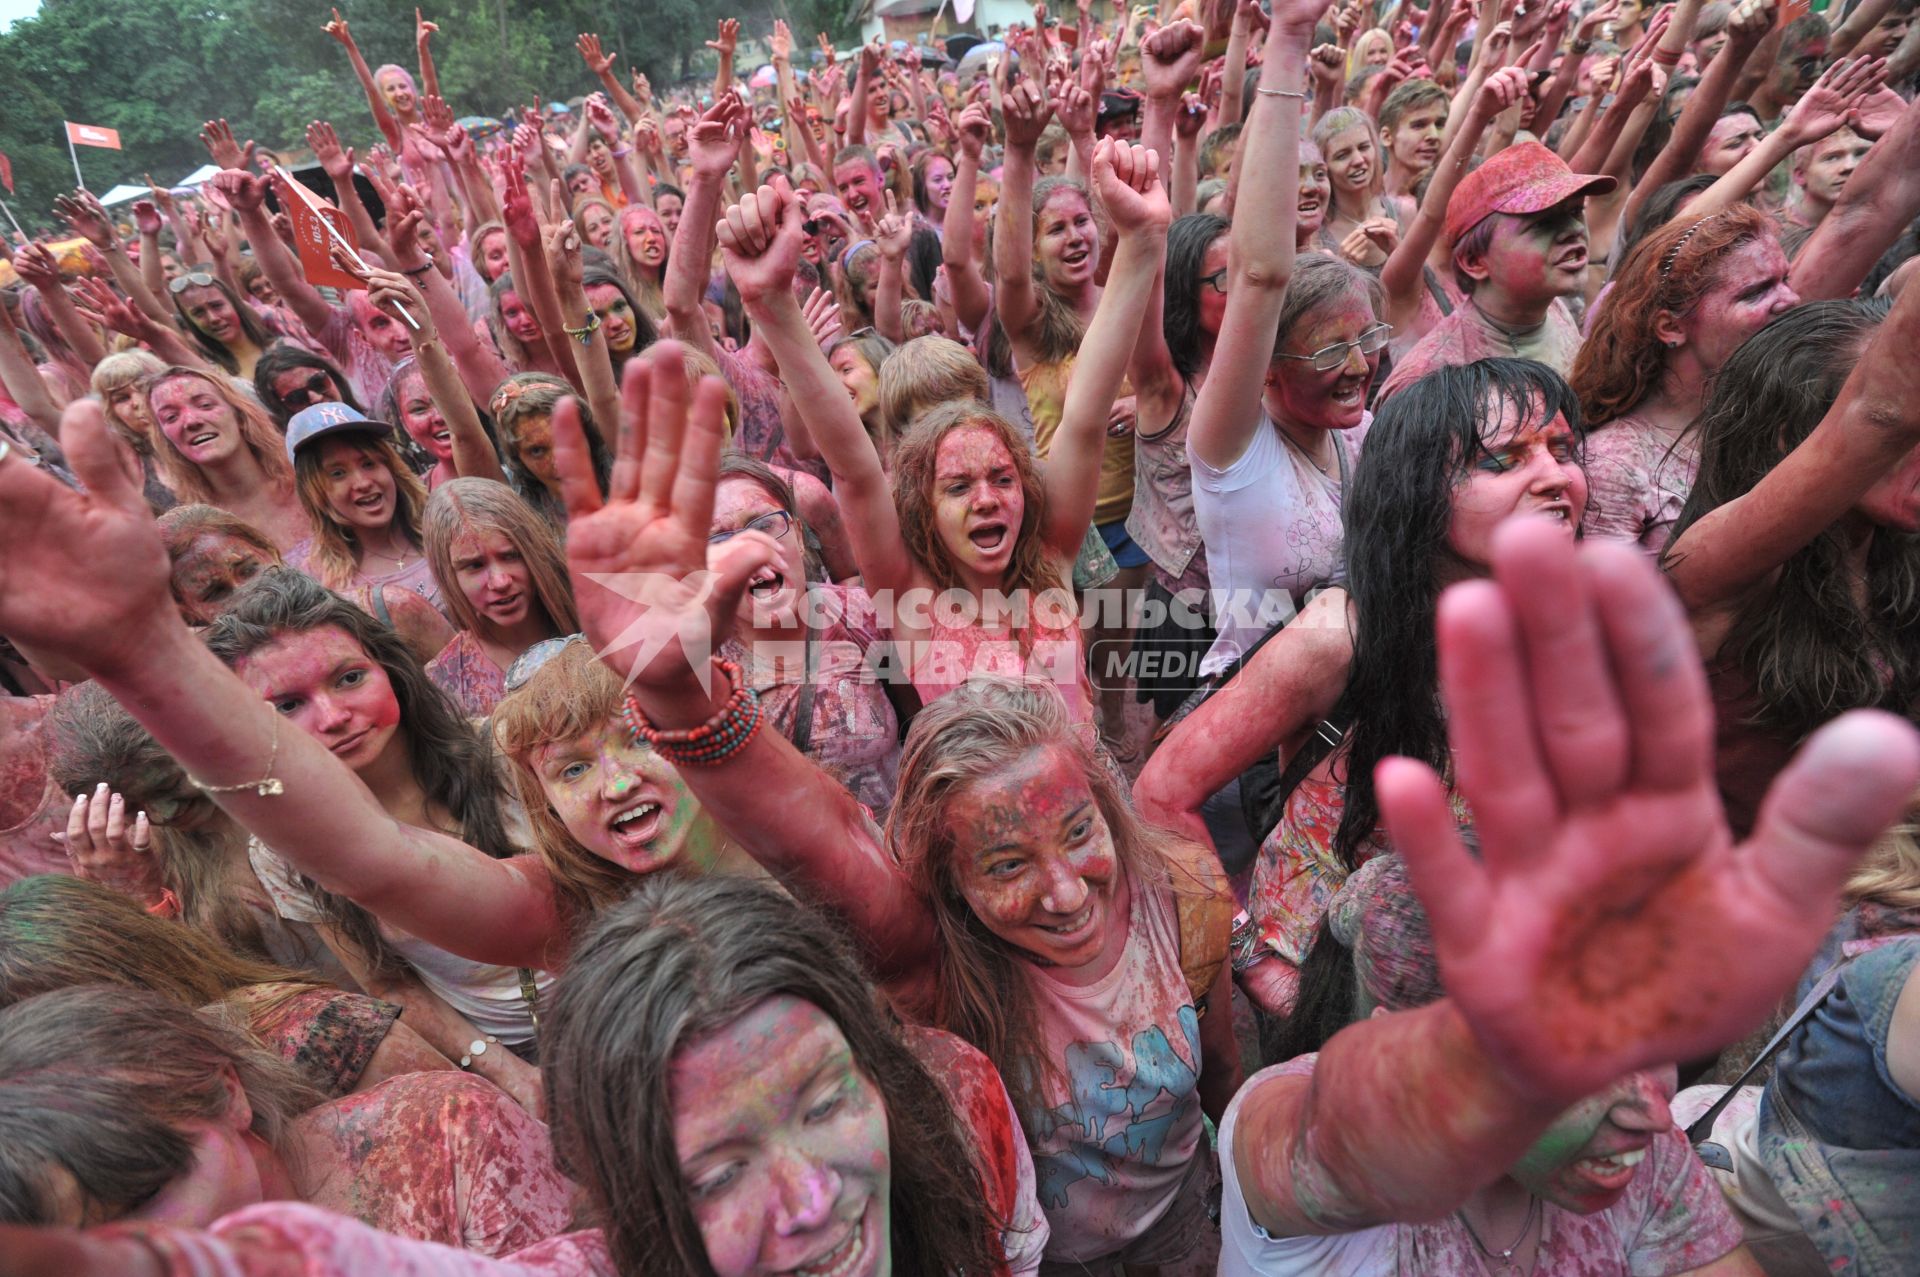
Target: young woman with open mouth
{"x": 967, "y": 511}
{"x": 216, "y": 447}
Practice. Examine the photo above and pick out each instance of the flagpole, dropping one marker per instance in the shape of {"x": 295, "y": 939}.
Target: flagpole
{"x": 11, "y": 218}
{"x": 79, "y": 181}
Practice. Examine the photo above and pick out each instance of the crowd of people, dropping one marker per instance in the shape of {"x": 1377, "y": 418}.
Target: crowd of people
{"x": 1225, "y": 639}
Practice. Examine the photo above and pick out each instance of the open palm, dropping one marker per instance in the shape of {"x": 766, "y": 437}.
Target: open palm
{"x": 1610, "y": 923}
{"x": 638, "y": 557}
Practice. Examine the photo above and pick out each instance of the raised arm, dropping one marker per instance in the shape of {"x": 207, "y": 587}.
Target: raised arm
{"x": 712, "y": 145}
{"x": 1026, "y": 115}
{"x": 1746, "y": 27}
{"x": 564, "y": 262}
{"x": 83, "y": 211}
{"x": 22, "y": 380}
{"x": 1820, "y": 111}
{"x": 99, "y": 304}
{"x": 1169, "y": 57}
{"x": 1564, "y": 760}
{"x": 723, "y": 45}
{"x": 1871, "y": 427}
{"x": 146, "y": 223}
{"x": 971, "y": 296}
{"x": 1404, "y": 275}
{"x": 1126, "y": 180}
{"x": 1878, "y": 202}
{"x": 652, "y": 528}
{"x": 337, "y": 162}
{"x": 246, "y": 195}
{"x": 474, "y": 456}
{"x": 85, "y": 572}
{"x": 1260, "y": 254}
{"x": 1291, "y": 683}
{"x": 34, "y": 264}
{"x": 894, "y": 235}
{"x": 761, "y": 238}
{"x": 423, "y": 33}
{"x": 600, "y": 62}
{"x": 376, "y": 101}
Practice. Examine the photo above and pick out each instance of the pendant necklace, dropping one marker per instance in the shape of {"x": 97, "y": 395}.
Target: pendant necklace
{"x": 1504, "y": 1258}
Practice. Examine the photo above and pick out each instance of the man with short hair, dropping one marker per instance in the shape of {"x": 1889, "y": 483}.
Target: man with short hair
{"x": 1820, "y": 173}
{"x": 1518, "y": 229}
{"x": 1413, "y": 123}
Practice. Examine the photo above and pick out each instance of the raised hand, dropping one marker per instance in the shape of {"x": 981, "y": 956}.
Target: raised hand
{"x": 335, "y": 161}
{"x": 894, "y": 231}
{"x": 651, "y": 599}
{"x": 393, "y": 292}
{"x": 1126, "y": 178}
{"x": 563, "y": 254}
{"x": 1839, "y": 90}
{"x": 403, "y": 236}
{"x": 88, "y": 218}
{"x": 1599, "y": 16}
{"x": 438, "y": 119}
{"x": 516, "y": 208}
{"x": 1749, "y": 24}
{"x": 1501, "y": 90}
{"x": 823, "y": 316}
{"x": 105, "y": 848}
{"x": 1327, "y": 63}
{"x": 598, "y": 60}
{"x": 760, "y": 240}
{"x": 423, "y": 30}
{"x": 37, "y": 266}
{"x": 826, "y": 47}
{"x": 642, "y": 89}
{"x": 146, "y": 218}
{"x": 101, "y": 305}
{"x": 781, "y": 42}
{"x": 1609, "y": 923}
{"x": 84, "y": 572}
{"x": 1298, "y": 16}
{"x": 1875, "y": 112}
{"x": 217, "y": 137}
{"x": 973, "y": 129}
{"x": 338, "y": 30}
{"x": 729, "y": 38}
{"x": 1025, "y": 113}
{"x": 1190, "y": 118}
{"x": 600, "y": 116}
{"x": 713, "y": 144}
{"x": 1075, "y": 108}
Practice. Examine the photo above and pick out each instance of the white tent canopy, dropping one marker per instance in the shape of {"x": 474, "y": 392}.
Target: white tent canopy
{"x": 127, "y": 190}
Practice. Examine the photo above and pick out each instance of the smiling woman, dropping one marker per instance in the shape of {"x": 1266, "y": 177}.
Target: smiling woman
{"x": 221, "y": 449}
{"x": 364, "y": 502}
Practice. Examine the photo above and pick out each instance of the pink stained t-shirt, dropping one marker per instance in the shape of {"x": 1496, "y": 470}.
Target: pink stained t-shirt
{"x": 1638, "y": 479}
{"x": 444, "y": 1157}
{"x": 1467, "y": 336}
{"x": 1122, "y": 1119}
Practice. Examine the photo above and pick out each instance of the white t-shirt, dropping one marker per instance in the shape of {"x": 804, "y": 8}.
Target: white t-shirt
{"x": 488, "y": 996}
{"x": 1671, "y": 1219}
{"x": 1271, "y": 524}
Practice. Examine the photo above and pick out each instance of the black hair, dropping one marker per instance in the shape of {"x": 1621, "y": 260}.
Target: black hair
{"x": 1188, "y": 240}
{"x": 284, "y": 356}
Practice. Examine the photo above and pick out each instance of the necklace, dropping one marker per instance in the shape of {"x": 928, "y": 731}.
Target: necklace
{"x": 1307, "y": 456}
{"x": 1505, "y": 1257}
{"x": 399, "y": 560}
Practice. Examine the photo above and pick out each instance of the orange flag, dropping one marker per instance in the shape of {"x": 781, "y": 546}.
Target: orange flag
{"x": 93, "y": 135}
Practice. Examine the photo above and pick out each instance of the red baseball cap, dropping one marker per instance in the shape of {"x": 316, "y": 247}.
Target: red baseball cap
{"x": 1523, "y": 178}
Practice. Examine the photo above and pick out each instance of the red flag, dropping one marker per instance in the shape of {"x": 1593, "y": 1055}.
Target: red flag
{"x": 306, "y": 210}
{"x": 93, "y": 135}
{"x": 6, "y": 172}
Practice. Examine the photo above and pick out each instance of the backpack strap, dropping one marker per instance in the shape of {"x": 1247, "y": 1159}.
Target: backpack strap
{"x": 1203, "y": 908}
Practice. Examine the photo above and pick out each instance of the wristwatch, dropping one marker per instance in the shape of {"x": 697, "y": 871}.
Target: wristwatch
{"x": 476, "y": 1049}
{"x": 1244, "y": 946}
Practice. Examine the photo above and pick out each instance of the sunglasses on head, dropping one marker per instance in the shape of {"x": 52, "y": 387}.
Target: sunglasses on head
{"x": 195, "y": 279}
{"x": 528, "y": 663}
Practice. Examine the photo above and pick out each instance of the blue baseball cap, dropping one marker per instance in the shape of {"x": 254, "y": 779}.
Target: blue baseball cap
{"x": 322, "y": 419}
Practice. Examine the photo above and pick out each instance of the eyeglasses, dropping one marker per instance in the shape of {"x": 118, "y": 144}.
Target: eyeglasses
{"x": 1327, "y": 358}
{"x": 198, "y": 279}
{"x": 774, "y": 523}
{"x": 1216, "y": 281}
{"x": 528, "y": 663}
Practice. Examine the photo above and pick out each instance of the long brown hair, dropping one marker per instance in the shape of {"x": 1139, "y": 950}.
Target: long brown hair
{"x": 332, "y": 553}
{"x": 257, "y": 433}
{"x": 468, "y": 505}
{"x": 1621, "y": 361}
{"x": 977, "y": 730}
{"x": 914, "y": 476}
{"x": 98, "y": 1080}
{"x": 686, "y": 955}
{"x": 57, "y": 932}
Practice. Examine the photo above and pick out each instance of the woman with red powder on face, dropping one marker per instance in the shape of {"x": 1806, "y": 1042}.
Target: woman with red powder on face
{"x": 965, "y": 513}
{"x": 217, "y": 447}
{"x": 1278, "y": 422}
{"x": 1685, "y": 300}
{"x": 1351, "y": 679}
{"x": 699, "y": 1007}
{"x": 640, "y": 253}
{"x": 1794, "y": 552}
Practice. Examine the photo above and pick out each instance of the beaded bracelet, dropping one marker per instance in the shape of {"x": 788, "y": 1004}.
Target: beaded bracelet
{"x": 714, "y": 741}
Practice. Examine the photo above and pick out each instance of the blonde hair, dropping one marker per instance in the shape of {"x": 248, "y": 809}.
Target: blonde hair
{"x": 646, "y": 290}
{"x": 257, "y": 433}
{"x": 1889, "y": 874}
{"x": 970, "y": 734}
{"x": 124, "y": 368}
{"x": 925, "y": 373}
{"x": 332, "y": 556}
{"x": 486, "y": 505}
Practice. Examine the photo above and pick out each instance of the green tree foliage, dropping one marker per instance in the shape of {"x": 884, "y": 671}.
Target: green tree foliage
{"x": 155, "y": 69}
